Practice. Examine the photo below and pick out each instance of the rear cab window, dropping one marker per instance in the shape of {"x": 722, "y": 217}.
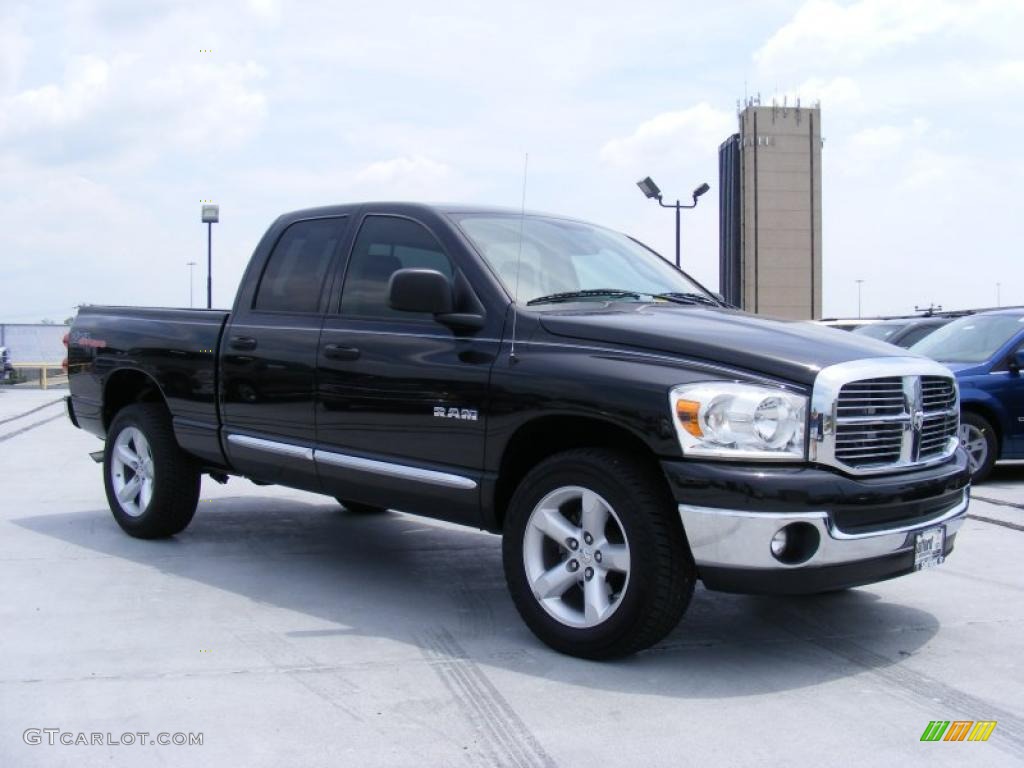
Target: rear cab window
{"x": 294, "y": 276}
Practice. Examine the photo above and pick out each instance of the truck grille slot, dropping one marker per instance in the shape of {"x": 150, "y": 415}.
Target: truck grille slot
{"x": 937, "y": 393}
{"x": 892, "y": 422}
{"x": 936, "y": 433}
{"x": 871, "y": 397}
{"x": 859, "y": 444}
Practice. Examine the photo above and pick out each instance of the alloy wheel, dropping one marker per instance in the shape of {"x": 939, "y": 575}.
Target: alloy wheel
{"x": 132, "y": 472}
{"x": 577, "y": 556}
{"x": 973, "y": 441}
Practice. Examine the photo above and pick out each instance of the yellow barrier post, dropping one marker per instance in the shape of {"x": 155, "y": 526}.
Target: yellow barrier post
{"x": 44, "y": 380}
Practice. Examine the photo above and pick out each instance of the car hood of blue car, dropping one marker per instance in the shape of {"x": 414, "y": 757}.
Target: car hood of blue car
{"x": 968, "y": 369}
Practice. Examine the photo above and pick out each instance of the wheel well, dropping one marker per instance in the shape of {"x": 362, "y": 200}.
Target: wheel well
{"x": 127, "y": 387}
{"x": 541, "y": 438}
{"x": 989, "y": 415}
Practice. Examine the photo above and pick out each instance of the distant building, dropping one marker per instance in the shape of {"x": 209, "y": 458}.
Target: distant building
{"x": 770, "y": 209}
{"x": 34, "y": 342}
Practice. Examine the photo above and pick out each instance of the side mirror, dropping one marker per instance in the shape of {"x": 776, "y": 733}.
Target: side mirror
{"x": 1017, "y": 360}
{"x": 421, "y": 290}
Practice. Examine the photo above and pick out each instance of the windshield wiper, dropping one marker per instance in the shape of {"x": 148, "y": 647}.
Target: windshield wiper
{"x": 687, "y": 298}
{"x": 590, "y": 293}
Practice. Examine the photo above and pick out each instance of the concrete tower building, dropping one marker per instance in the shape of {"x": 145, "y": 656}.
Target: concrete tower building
{"x": 770, "y": 209}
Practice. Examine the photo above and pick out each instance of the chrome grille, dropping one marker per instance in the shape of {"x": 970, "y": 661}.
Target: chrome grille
{"x": 862, "y": 438}
{"x": 866, "y": 425}
{"x": 936, "y": 432}
{"x": 937, "y": 393}
{"x": 870, "y": 398}
{"x": 859, "y": 444}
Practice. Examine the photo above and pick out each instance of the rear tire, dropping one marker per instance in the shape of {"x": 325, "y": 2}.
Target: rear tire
{"x": 978, "y": 438}
{"x": 361, "y": 509}
{"x": 606, "y": 592}
{"x": 152, "y": 485}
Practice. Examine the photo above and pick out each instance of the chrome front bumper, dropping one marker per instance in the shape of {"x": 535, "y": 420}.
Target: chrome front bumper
{"x": 727, "y": 538}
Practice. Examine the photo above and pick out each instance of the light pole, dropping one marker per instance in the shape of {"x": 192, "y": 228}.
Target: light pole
{"x": 859, "y": 284}
{"x": 650, "y": 189}
{"x": 211, "y": 215}
{"x": 191, "y": 267}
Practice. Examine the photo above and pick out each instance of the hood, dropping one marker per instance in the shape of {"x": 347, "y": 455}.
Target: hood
{"x": 968, "y": 369}
{"x": 785, "y": 349}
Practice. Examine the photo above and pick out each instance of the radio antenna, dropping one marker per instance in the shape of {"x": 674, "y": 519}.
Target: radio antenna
{"x": 519, "y": 258}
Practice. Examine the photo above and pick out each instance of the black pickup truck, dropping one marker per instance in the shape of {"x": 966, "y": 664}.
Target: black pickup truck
{"x": 544, "y": 379}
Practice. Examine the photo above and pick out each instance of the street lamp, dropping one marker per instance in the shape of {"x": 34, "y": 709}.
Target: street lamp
{"x": 191, "y": 266}
{"x": 211, "y": 215}
{"x": 859, "y": 284}
{"x": 650, "y": 189}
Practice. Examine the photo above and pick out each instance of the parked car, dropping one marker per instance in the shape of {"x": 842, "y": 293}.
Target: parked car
{"x": 6, "y": 367}
{"x": 847, "y": 324}
{"x": 541, "y": 378}
{"x": 986, "y": 352}
{"x": 903, "y": 332}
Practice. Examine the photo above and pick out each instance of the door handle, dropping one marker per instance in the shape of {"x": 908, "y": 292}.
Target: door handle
{"x": 336, "y": 352}
{"x": 242, "y": 342}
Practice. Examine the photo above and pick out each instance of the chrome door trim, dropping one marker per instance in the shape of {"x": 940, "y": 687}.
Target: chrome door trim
{"x": 358, "y": 463}
{"x": 401, "y": 471}
{"x": 272, "y": 446}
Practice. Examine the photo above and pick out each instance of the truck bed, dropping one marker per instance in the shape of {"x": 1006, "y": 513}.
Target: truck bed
{"x": 176, "y": 348}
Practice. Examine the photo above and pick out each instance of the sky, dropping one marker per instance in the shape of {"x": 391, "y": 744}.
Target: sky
{"x": 118, "y": 118}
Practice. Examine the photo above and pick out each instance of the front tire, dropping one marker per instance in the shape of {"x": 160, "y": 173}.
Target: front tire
{"x": 595, "y": 557}
{"x": 152, "y": 485}
{"x": 978, "y": 438}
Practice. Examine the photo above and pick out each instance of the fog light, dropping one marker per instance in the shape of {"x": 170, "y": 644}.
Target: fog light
{"x": 795, "y": 544}
{"x": 779, "y": 541}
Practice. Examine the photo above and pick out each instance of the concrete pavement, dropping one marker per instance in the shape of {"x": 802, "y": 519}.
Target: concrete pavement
{"x": 289, "y": 632}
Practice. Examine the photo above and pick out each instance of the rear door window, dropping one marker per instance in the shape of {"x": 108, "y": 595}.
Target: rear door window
{"x": 294, "y": 276}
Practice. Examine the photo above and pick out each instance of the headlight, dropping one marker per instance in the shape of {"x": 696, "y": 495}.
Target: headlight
{"x": 726, "y": 420}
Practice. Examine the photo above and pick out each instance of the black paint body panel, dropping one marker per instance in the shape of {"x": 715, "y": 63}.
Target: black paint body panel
{"x": 780, "y": 488}
{"x": 175, "y": 349}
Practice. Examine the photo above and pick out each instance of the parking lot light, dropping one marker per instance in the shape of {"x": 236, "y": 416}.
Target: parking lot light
{"x": 652, "y": 192}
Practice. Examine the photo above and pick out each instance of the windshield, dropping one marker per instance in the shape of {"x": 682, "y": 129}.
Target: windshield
{"x": 879, "y": 330}
{"x": 565, "y": 257}
{"x": 972, "y": 339}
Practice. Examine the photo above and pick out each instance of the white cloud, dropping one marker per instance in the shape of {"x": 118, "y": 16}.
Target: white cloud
{"x": 267, "y": 10}
{"x": 841, "y": 92}
{"x": 881, "y": 137}
{"x": 407, "y": 177}
{"x": 887, "y": 137}
{"x": 930, "y": 169}
{"x": 201, "y": 105}
{"x": 672, "y": 137}
{"x": 403, "y": 169}
{"x": 14, "y": 48}
{"x": 85, "y": 84}
{"x": 828, "y": 33}
{"x": 134, "y": 104}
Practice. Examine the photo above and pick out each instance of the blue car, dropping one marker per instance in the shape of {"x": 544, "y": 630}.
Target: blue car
{"x": 986, "y": 352}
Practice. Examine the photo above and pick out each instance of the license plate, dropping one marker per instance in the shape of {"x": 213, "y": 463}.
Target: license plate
{"x": 929, "y": 548}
